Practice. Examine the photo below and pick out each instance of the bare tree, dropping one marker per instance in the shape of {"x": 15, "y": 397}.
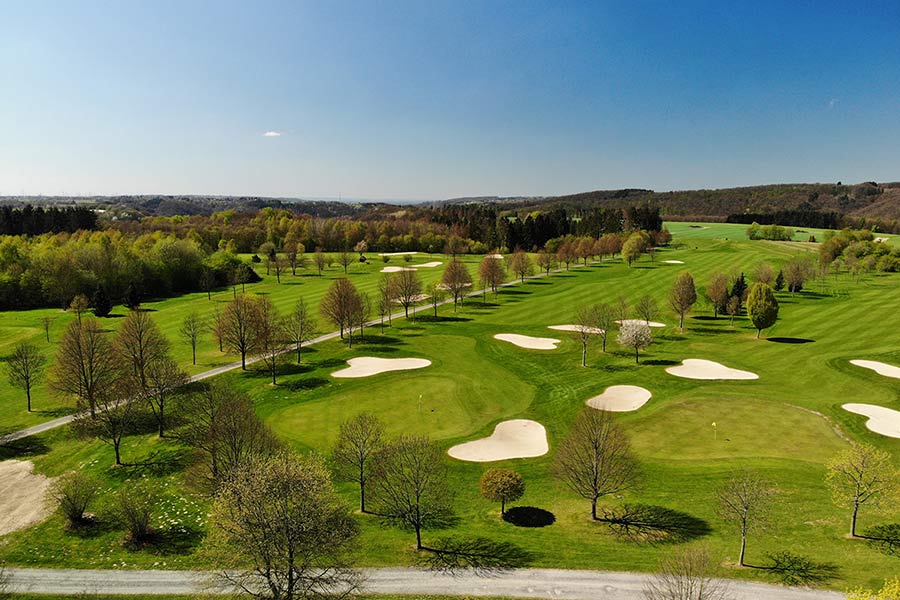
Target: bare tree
{"x": 320, "y": 260}
{"x": 408, "y": 289}
{"x": 282, "y": 532}
{"x": 636, "y": 335}
{"x": 520, "y": 264}
{"x": 686, "y": 574}
{"x": 457, "y": 280}
{"x": 385, "y": 299}
{"x": 359, "y": 442}
{"x": 683, "y": 296}
{"x": 191, "y": 329}
{"x": 587, "y": 325}
{"x": 239, "y": 327}
{"x": 734, "y": 308}
{"x": 116, "y": 414}
{"x": 647, "y": 309}
{"x": 595, "y": 459}
{"x": 545, "y": 261}
{"x": 164, "y": 379}
{"x": 217, "y": 327}
{"x": 717, "y": 294}
{"x": 764, "y": 274}
{"x": 267, "y": 249}
{"x": 293, "y": 251}
{"x": 140, "y": 342}
{"x": 79, "y": 305}
{"x": 411, "y": 486}
{"x": 566, "y": 254}
{"x": 606, "y": 319}
{"x": 85, "y": 366}
{"x": 436, "y": 293}
{"x": 492, "y": 273}
{"x": 271, "y": 336}
{"x": 279, "y": 263}
{"x": 340, "y": 304}
{"x": 862, "y": 476}
{"x": 745, "y": 502}
{"x": 345, "y": 259}
{"x": 207, "y": 281}
{"x": 46, "y": 322}
{"x": 300, "y": 326}
{"x": 25, "y": 367}
{"x": 362, "y": 312}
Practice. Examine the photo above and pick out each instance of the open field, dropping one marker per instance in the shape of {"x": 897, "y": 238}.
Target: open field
{"x": 787, "y": 424}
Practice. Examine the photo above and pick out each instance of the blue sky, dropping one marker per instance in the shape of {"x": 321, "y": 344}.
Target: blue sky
{"x": 431, "y": 99}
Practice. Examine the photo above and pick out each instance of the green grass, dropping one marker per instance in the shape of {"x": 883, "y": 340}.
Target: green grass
{"x": 737, "y": 231}
{"x": 787, "y": 424}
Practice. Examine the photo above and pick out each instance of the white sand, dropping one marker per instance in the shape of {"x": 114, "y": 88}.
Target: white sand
{"x": 396, "y": 253}
{"x": 674, "y": 262}
{"x": 881, "y": 420}
{"x": 881, "y": 240}
{"x": 21, "y": 496}
{"x": 366, "y": 366}
{"x": 697, "y": 368}
{"x": 396, "y": 269}
{"x": 519, "y": 438}
{"x": 428, "y": 265}
{"x": 526, "y": 341}
{"x": 650, "y": 324}
{"x": 879, "y": 367}
{"x": 620, "y": 398}
{"x": 576, "y": 328}
{"x": 416, "y": 298}
{"x": 444, "y": 286}
{"x": 495, "y": 256}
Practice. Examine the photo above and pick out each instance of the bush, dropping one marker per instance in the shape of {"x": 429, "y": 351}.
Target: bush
{"x": 73, "y": 494}
{"x": 136, "y": 504}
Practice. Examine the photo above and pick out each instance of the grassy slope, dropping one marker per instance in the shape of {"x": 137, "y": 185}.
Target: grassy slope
{"x": 476, "y": 382}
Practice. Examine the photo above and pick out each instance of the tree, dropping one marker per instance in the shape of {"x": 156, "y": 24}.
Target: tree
{"x": 79, "y": 305}
{"x": 686, "y": 574}
{"x": 739, "y": 289}
{"x": 683, "y": 296}
{"x": 492, "y": 273}
{"x": 762, "y": 307}
{"x": 73, "y": 494}
{"x": 217, "y": 327}
{"x": 501, "y": 485}
{"x": 411, "y": 484}
{"x": 456, "y": 280}
{"x": 140, "y": 342}
{"x": 890, "y": 591}
{"x": 862, "y": 476}
{"x": 717, "y": 294}
{"x": 283, "y": 517}
{"x": 606, "y": 319}
{"x": 745, "y": 502}
{"x": 25, "y": 367}
{"x": 634, "y": 334}
{"x": 46, "y": 322}
{"x": 192, "y": 328}
{"x": 520, "y": 264}
{"x": 320, "y": 261}
{"x": 764, "y": 274}
{"x": 239, "y": 327}
{"x": 587, "y": 325}
{"x": 647, "y": 309}
{"x": 101, "y": 302}
{"x": 796, "y": 273}
{"x": 271, "y": 337}
{"x": 632, "y": 248}
{"x": 595, "y": 459}
{"x": 436, "y": 292}
{"x": 340, "y": 303}
{"x": 300, "y": 326}
{"x": 385, "y": 299}
{"x": 117, "y": 415}
{"x": 85, "y": 366}
{"x": 362, "y": 312}
{"x": 359, "y": 442}
{"x": 268, "y": 252}
{"x": 407, "y": 288}
{"x": 132, "y": 297}
{"x": 345, "y": 259}
{"x": 163, "y": 379}
{"x": 779, "y": 281}
{"x": 734, "y": 308}
{"x": 545, "y": 261}
{"x": 566, "y": 254}
{"x": 207, "y": 281}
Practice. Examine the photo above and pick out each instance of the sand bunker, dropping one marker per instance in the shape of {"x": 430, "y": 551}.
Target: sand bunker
{"x": 879, "y": 367}
{"x": 366, "y": 366}
{"x": 650, "y": 324}
{"x": 576, "y": 328}
{"x": 526, "y": 341}
{"x": 697, "y": 368}
{"x": 396, "y": 269}
{"x": 495, "y": 256}
{"x": 428, "y": 265}
{"x": 881, "y": 420}
{"x": 396, "y": 253}
{"x": 674, "y": 262}
{"x": 620, "y": 398}
{"x": 445, "y": 287}
{"x": 416, "y": 298}
{"x": 519, "y": 438}
{"x": 881, "y": 240}
{"x": 21, "y": 496}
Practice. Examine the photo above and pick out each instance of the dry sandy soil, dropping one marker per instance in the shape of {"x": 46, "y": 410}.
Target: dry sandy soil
{"x": 526, "y": 341}
{"x": 396, "y": 269}
{"x": 650, "y": 324}
{"x": 879, "y": 367}
{"x": 366, "y": 366}
{"x": 697, "y": 368}
{"x": 881, "y": 420}
{"x": 518, "y": 438}
{"x": 21, "y": 495}
{"x": 620, "y": 398}
{"x": 576, "y": 328}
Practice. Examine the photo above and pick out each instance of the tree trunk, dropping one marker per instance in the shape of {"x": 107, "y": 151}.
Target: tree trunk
{"x": 28, "y": 394}
{"x": 162, "y": 419}
{"x": 194, "y": 352}
{"x": 298, "y": 353}
{"x": 273, "y": 372}
{"x": 243, "y": 361}
{"x": 594, "y": 509}
{"x": 418, "y": 537}
{"x": 502, "y": 506}
{"x": 584, "y": 354}
{"x": 743, "y": 549}
{"x": 636, "y": 359}
{"x": 758, "y": 331}
{"x": 116, "y": 444}
{"x": 362, "y": 496}
{"x": 853, "y": 520}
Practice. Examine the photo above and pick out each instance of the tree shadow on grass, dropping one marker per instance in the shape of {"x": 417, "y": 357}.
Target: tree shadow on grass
{"x": 509, "y": 292}
{"x": 793, "y": 569}
{"x": 303, "y": 385}
{"x": 158, "y": 463}
{"x": 443, "y": 319}
{"x": 329, "y": 363}
{"x": 380, "y": 349}
{"x": 480, "y": 555}
{"x": 23, "y": 448}
{"x": 661, "y": 362}
{"x": 712, "y": 330}
{"x": 651, "y": 524}
{"x": 529, "y": 516}
{"x": 292, "y": 368}
{"x": 538, "y": 282}
{"x": 176, "y": 541}
{"x": 789, "y": 340}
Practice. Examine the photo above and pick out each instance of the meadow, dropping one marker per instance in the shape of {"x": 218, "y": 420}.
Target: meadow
{"x": 787, "y": 424}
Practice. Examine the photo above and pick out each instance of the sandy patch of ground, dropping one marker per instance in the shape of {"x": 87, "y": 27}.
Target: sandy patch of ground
{"x": 396, "y": 253}
{"x": 428, "y": 265}
{"x": 366, "y": 366}
{"x": 575, "y": 328}
{"x": 416, "y": 298}
{"x": 674, "y": 262}
{"x": 445, "y": 287}
{"x": 620, "y": 398}
{"x": 526, "y": 341}
{"x": 881, "y": 420}
{"x": 518, "y": 438}
{"x": 21, "y": 495}
{"x": 650, "y": 324}
{"x": 879, "y": 367}
{"x": 882, "y": 240}
{"x": 396, "y": 269}
{"x": 697, "y": 368}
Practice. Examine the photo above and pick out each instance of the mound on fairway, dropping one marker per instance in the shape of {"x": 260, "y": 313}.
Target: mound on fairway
{"x": 879, "y": 367}
{"x": 396, "y": 269}
{"x": 620, "y": 398}
{"x": 428, "y": 265}
{"x": 518, "y": 438}
{"x": 649, "y": 324}
{"x": 881, "y": 420}
{"x": 526, "y": 341}
{"x": 576, "y": 328}
{"x": 697, "y": 368}
{"x": 366, "y": 366}
{"x": 21, "y": 495}
{"x": 674, "y": 262}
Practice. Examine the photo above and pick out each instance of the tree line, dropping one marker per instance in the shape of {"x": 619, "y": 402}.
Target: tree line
{"x": 36, "y": 220}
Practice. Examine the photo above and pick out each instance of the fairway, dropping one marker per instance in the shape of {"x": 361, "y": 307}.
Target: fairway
{"x": 787, "y": 424}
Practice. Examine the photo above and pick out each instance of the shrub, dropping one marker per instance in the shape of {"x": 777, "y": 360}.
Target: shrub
{"x": 74, "y": 493}
{"x": 136, "y": 504}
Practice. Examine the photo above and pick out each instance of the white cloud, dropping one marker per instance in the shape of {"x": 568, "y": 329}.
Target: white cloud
{"x": 272, "y": 134}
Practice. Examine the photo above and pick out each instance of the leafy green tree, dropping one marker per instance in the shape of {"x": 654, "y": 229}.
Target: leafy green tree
{"x": 762, "y": 307}
{"x": 862, "y": 475}
{"x": 502, "y": 485}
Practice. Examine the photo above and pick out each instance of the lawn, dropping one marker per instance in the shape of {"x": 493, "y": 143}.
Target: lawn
{"x": 787, "y": 424}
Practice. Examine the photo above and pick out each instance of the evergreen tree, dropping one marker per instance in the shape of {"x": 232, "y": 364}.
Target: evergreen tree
{"x": 779, "y": 281}
{"x": 101, "y": 302}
